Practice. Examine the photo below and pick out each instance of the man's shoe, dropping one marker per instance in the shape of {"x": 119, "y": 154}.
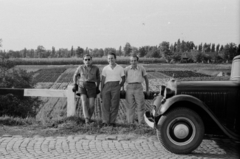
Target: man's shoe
{"x": 91, "y": 121}
{"x": 87, "y": 121}
{"x": 113, "y": 125}
{"x": 104, "y": 125}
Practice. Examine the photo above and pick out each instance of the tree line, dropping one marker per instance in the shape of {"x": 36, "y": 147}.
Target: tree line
{"x": 180, "y": 51}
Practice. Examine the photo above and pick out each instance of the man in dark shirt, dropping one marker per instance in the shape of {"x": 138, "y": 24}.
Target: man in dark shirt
{"x": 87, "y": 77}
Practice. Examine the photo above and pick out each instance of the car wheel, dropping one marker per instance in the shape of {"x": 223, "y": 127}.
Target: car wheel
{"x": 180, "y": 130}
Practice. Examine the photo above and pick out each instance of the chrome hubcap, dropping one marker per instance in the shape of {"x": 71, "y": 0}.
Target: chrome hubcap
{"x": 181, "y": 131}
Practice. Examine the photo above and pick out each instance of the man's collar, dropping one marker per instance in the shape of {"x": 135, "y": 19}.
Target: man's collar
{"x": 111, "y": 65}
{"x": 131, "y": 67}
{"x": 88, "y": 66}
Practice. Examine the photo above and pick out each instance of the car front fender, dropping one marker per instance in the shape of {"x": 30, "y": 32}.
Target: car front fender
{"x": 177, "y": 98}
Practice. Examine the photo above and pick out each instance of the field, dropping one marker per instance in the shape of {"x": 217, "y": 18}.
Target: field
{"x": 77, "y": 61}
{"x": 60, "y": 76}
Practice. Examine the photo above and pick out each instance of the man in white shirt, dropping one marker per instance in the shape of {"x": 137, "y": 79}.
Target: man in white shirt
{"x": 135, "y": 75}
{"x": 113, "y": 79}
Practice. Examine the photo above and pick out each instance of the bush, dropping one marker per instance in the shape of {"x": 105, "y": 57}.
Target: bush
{"x": 12, "y": 105}
{"x": 18, "y": 107}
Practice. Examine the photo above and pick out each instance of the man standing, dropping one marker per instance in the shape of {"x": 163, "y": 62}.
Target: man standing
{"x": 135, "y": 75}
{"x": 87, "y": 77}
{"x": 113, "y": 79}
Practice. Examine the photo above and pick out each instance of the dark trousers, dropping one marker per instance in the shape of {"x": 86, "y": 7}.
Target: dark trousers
{"x": 110, "y": 101}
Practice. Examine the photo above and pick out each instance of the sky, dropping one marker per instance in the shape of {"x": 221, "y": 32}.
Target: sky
{"x": 113, "y": 23}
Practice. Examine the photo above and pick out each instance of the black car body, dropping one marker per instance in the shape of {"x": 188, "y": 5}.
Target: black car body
{"x": 197, "y": 108}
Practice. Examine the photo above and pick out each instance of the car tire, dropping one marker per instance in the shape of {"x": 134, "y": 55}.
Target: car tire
{"x": 180, "y": 130}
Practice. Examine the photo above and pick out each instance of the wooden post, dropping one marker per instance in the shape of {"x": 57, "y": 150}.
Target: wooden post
{"x": 71, "y": 104}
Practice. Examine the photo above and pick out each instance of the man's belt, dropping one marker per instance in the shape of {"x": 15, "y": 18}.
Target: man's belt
{"x": 87, "y": 81}
{"x": 135, "y": 83}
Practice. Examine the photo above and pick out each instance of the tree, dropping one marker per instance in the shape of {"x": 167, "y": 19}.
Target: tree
{"x": 119, "y": 52}
{"x": 86, "y": 51}
{"x": 172, "y": 48}
{"x": 175, "y": 47}
{"x": 200, "y": 47}
{"x": 190, "y": 46}
{"x": 31, "y": 53}
{"x": 79, "y": 52}
{"x": 183, "y": 46}
{"x": 232, "y": 50}
{"x": 226, "y": 52}
{"x": 94, "y": 52}
{"x": 0, "y": 42}
{"x": 221, "y": 48}
{"x": 100, "y": 52}
{"x": 238, "y": 49}
{"x": 134, "y": 50}
{"x": 63, "y": 52}
{"x": 179, "y": 46}
{"x": 40, "y": 51}
{"x": 200, "y": 57}
{"x": 108, "y": 50}
{"x": 217, "y": 48}
{"x": 72, "y": 54}
{"x": 14, "y": 54}
{"x": 164, "y": 47}
{"x": 23, "y": 53}
{"x": 53, "y": 53}
{"x": 143, "y": 51}
{"x": 213, "y": 48}
{"x": 205, "y": 46}
{"x": 177, "y": 56}
{"x": 165, "y": 51}
{"x": 127, "y": 49}
{"x": 153, "y": 52}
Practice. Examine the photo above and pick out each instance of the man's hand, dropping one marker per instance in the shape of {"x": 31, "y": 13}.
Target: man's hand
{"x": 148, "y": 93}
{"x": 97, "y": 90}
{"x": 75, "y": 88}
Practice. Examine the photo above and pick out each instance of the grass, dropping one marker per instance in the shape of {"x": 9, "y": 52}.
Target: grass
{"x": 67, "y": 126}
{"x": 16, "y": 121}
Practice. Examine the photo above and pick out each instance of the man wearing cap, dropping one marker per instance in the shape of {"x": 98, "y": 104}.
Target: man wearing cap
{"x": 135, "y": 75}
{"x": 87, "y": 79}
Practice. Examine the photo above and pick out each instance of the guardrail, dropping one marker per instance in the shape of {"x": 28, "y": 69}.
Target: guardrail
{"x": 68, "y": 93}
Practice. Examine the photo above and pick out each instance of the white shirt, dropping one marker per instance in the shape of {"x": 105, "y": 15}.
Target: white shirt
{"x": 114, "y": 74}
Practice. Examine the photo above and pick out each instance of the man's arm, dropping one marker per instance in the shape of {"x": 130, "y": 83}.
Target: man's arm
{"x": 146, "y": 82}
{"x": 98, "y": 77}
{"x": 122, "y": 82}
{"x": 75, "y": 76}
{"x": 144, "y": 74}
{"x": 102, "y": 82}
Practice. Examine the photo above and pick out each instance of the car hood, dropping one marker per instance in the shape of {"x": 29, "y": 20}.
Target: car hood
{"x": 206, "y": 85}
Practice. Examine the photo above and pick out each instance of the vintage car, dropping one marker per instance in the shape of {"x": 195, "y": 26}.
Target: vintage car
{"x": 193, "y": 109}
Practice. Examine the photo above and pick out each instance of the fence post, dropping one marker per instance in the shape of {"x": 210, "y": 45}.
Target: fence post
{"x": 71, "y": 104}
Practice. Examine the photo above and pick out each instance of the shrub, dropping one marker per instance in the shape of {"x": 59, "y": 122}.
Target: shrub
{"x": 16, "y": 106}
{"x": 12, "y": 105}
